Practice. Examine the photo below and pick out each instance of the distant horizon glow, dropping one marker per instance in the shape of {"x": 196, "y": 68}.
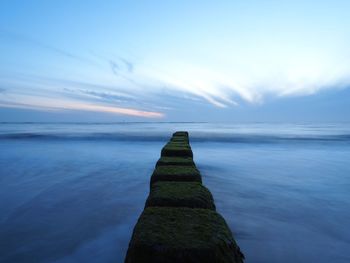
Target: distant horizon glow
{"x": 153, "y": 60}
{"x": 57, "y": 105}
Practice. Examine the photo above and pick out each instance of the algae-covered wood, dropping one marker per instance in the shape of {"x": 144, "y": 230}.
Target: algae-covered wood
{"x": 180, "y": 194}
{"x": 176, "y": 150}
{"x": 172, "y": 235}
{"x": 176, "y": 173}
{"x": 182, "y": 161}
{"x": 179, "y": 222}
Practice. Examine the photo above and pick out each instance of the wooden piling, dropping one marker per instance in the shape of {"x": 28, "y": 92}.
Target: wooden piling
{"x": 180, "y": 222}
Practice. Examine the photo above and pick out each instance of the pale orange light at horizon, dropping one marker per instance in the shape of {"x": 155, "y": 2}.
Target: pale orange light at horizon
{"x": 30, "y": 102}
{"x": 117, "y": 110}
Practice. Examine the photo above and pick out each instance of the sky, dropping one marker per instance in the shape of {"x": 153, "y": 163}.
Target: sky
{"x": 175, "y": 60}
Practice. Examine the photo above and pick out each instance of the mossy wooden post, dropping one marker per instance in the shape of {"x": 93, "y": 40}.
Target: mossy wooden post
{"x": 180, "y": 194}
{"x": 179, "y": 222}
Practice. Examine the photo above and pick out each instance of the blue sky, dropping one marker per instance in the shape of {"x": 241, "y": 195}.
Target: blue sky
{"x": 174, "y": 60}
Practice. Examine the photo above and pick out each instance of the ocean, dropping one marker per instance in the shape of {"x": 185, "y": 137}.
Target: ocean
{"x": 72, "y": 192}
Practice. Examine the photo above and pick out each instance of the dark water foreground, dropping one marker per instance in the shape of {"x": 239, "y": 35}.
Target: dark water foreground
{"x": 72, "y": 193}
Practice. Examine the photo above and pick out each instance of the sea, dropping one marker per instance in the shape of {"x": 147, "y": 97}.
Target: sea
{"x": 72, "y": 192}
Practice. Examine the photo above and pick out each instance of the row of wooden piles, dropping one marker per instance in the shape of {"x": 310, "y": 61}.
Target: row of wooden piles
{"x": 180, "y": 222}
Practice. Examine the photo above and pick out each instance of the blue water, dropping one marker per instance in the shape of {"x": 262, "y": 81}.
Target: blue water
{"x": 73, "y": 192}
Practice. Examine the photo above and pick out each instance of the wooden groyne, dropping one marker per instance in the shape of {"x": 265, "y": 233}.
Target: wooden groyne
{"x": 180, "y": 222}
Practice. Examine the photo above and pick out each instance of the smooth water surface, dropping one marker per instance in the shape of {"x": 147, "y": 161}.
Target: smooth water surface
{"x": 73, "y": 192}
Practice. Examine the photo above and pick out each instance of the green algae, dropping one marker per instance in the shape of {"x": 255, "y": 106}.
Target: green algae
{"x": 170, "y": 235}
{"x": 176, "y": 173}
{"x": 177, "y": 145}
{"x": 180, "y": 141}
{"x": 181, "y": 134}
{"x": 180, "y": 194}
{"x": 179, "y": 138}
{"x": 173, "y": 149}
{"x": 184, "y": 161}
{"x": 179, "y": 223}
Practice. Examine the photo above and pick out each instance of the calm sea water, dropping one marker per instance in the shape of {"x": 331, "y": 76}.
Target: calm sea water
{"x": 73, "y": 192}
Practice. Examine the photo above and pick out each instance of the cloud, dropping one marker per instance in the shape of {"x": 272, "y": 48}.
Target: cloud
{"x": 109, "y": 96}
{"x": 49, "y": 104}
{"x": 114, "y": 67}
{"x": 230, "y": 86}
{"x": 128, "y": 64}
{"x": 58, "y": 94}
{"x": 34, "y": 42}
{"x": 122, "y": 68}
{"x": 230, "y": 79}
{"x": 101, "y": 95}
{"x": 141, "y": 83}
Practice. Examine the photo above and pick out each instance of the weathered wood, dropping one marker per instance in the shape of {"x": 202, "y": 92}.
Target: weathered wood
{"x": 179, "y": 222}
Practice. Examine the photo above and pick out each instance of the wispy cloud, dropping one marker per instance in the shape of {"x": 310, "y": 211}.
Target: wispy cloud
{"x": 33, "y": 92}
{"x": 110, "y": 96}
{"x": 114, "y": 67}
{"x": 208, "y": 84}
{"x": 20, "y": 38}
{"x": 223, "y": 78}
{"x": 129, "y": 65}
{"x": 65, "y": 104}
{"x": 226, "y": 87}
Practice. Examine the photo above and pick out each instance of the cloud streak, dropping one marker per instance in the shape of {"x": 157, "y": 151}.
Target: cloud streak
{"x": 32, "y": 92}
{"x": 225, "y": 63}
{"x": 49, "y": 104}
{"x": 31, "y": 41}
{"x": 226, "y": 87}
